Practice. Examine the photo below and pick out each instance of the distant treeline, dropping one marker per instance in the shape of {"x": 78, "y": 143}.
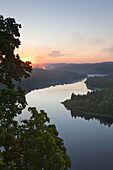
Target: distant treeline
{"x": 100, "y": 82}
{"x": 96, "y": 102}
{"x": 87, "y": 68}
{"x": 40, "y": 78}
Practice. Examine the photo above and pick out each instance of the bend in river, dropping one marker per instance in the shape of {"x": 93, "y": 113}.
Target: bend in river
{"x": 88, "y": 143}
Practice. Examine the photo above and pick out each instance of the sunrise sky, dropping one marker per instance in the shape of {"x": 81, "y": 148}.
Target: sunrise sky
{"x": 63, "y": 30}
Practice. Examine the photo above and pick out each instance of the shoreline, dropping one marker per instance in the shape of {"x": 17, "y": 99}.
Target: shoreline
{"x": 104, "y": 119}
{"x": 47, "y": 85}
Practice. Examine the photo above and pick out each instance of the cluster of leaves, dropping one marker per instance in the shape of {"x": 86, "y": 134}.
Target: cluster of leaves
{"x": 32, "y": 144}
{"x": 11, "y": 67}
{"x": 100, "y": 102}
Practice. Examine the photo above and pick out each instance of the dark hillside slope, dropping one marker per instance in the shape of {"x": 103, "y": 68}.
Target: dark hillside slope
{"x": 40, "y": 78}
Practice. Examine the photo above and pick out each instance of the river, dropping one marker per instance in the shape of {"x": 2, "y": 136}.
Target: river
{"x": 89, "y": 143}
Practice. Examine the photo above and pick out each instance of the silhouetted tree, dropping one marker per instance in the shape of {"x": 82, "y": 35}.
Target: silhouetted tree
{"x": 32, "y": 144}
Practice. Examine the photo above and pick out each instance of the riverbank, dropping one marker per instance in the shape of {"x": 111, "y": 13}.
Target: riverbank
{"x": 81, "y": 113}
{"x": 103, "y": 119}
{"x": 96, "y": 104}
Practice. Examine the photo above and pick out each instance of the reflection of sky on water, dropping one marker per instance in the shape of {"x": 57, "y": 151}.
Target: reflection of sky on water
{"x": 50, "y": 98}
{"x": 89, "y": 144}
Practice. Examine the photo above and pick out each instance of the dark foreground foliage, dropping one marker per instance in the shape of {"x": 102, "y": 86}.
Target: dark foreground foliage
{"x": 30, "y": 144}
{"x": 33, "y": 145}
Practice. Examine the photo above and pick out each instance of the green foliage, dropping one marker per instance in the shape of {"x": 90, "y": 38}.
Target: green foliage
{"x": 34, "y": 143}
{"x": 105, "y": 82}
{"x": 11, "y": 67}
{"x": 100, "y": 102}
{"x": 37, "y": 145}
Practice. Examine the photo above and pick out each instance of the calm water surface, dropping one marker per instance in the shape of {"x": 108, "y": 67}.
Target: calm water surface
{"x": 89, "y": 143}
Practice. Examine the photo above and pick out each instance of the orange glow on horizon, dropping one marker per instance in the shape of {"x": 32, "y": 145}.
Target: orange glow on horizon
{"x": 37, "y": 56}
{"x": 39, "y": 60}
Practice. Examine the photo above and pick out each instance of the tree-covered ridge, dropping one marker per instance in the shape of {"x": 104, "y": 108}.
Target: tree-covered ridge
{"x": 40, "y": 78}
{"x": 29, "y": 144}
{"x": 96, "y": 102}
{"x": 84, "y": 68}
{"x": 100, "y": 82}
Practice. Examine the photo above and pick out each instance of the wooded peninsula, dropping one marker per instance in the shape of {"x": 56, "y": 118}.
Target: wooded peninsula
{"x": 96, "y": 103}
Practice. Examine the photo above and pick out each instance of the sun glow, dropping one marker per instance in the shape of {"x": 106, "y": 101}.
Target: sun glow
{"x": 27, "y": 59}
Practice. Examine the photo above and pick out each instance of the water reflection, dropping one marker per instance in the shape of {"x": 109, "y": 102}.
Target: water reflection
{"x": 103, "y": 120}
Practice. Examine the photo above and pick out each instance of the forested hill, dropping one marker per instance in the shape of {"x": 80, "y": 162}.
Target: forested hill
{"x": 100, "y": 82}
{"x": 40, "y": 78}
{"x": 90, "y": 68}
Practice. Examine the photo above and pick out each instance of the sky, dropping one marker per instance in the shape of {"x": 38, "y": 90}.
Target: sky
{"x": 67, "y": 31}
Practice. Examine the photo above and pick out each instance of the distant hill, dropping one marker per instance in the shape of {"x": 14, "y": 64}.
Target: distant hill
{"x": 40, "y": 78}
{"x": 93, "y": 68}
{"x": 62, "y": 73}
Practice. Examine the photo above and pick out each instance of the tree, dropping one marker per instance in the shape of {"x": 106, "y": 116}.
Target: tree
{"x": 32, "y": 144}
